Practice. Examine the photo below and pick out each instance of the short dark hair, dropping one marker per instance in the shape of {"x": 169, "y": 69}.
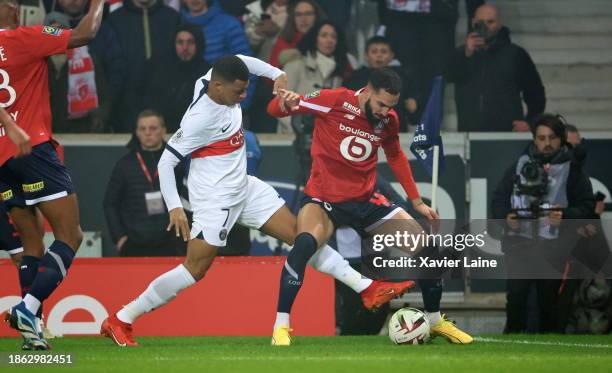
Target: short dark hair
{"x": 229, "y": 69}
{"x": 387, "y": 79}
{"x": 152, "y": 113}
{"x": 377, "y": 40}
{"x": 555, "y": 122}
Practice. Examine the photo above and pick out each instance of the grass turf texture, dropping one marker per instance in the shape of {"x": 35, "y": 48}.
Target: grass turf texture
{"x": 331, "y": 354}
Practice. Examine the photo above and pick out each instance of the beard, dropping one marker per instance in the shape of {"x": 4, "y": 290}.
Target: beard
{"x": 370, "y": 114}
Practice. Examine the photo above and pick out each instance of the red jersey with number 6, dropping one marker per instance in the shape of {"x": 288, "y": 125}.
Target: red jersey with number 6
{"x": 24, "y": 87}
{"x": 345, "y": 147}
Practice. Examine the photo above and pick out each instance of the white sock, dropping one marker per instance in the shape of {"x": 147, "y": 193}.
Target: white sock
{"x": 282, "y": 319}
{"x": 160, "y": 291}
{"x": 31, "y": 303}
{"x": 434, "y": 317}
{"x": 329, "y": 261}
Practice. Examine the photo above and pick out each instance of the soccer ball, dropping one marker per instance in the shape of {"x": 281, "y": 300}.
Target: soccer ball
{"x": 409, "y": 326}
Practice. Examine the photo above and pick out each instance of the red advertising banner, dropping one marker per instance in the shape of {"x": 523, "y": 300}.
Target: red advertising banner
{"x": 237, "y": 297}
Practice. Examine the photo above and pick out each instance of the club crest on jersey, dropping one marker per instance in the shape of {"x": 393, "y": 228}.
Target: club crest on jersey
{"x": 50, "y": 30}
{"x": 312, "y": 95}
{"x": 223, "y": 234}
{"x": 352, "y": 108}
{"x": 177, "y": 136}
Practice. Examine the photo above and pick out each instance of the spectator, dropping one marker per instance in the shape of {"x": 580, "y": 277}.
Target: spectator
{"x": 379, "y": 54}
{"x": 78, "y": 91}
{"x": 224, "y": 35}
{"x": 145, "y": 29}
{"x": 491, "y": 74}
{"x": 320, "y": 61}
{"x": 170, "y": 78}
{"x": 301, "y": 16}
{"x": 262, "y": 29}
{"x": 516, "y": 197}
{"x": 105, "y": 46}
{"x": 422, "y": 34}
{"x": 262, "y": 24}
{"x": 133, "y": 206}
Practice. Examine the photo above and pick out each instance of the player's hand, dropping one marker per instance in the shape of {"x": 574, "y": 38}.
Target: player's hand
{"x": 473, "y": 42}
{"x": 121, "y": 242}
{"x": 280, "y": 84}
{"x": 428, "y": 213}
{"x": 555, "y": 216}
{"x": 20, "y": 139}
{"x": 512, "y": 221}
{"x": 178, "y": 220}
{"x": 288, "y": 100}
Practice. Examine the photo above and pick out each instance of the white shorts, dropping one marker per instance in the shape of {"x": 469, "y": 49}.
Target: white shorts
{"x": 212, "y": 222}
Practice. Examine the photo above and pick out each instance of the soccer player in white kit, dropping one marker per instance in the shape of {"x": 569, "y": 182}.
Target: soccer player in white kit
{"x": 222, "y": 194}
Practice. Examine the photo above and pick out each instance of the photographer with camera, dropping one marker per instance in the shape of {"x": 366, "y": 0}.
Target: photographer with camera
{"x": 544, "y": 186}
{"x": 491, "y": 74}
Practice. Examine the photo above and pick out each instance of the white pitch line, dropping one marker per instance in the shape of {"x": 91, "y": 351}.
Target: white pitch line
{"x": 543, "y": 343}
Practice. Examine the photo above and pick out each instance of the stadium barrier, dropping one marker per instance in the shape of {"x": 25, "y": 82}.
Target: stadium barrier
{"x": 237, "y": 297}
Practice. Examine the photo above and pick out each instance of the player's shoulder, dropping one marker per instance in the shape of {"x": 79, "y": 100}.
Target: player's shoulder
{"x": 31, "y": 31}
{"x": 329, "y": 96}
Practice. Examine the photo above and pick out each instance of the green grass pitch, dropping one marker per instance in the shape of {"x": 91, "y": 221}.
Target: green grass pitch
{"x": 580, "y": 354}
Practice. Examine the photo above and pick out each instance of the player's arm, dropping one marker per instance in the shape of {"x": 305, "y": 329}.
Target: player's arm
{"x": 291, "y": 103}
{"x": 188, "y": 138}
{"x": 15, "y": 134}
{"x": 261, "y": 68}
{"x": 87, "y": 28}
{"x": 398, "y": 162}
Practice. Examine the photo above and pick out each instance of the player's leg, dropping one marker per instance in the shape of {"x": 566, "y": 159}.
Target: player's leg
{"x": 283, "y": 226}
{"x": 314, "y": 229}
{"x": 209, "y": 229}
{"x": 16, "y": 217}
{"x": 26, "y": 220}
{"x": 160, "y": 291}
{"x": 431, "y": 289}
{"x": 45, "y": 183}
{"x": 63, "y": 216}
{"x": 164, "y": 288}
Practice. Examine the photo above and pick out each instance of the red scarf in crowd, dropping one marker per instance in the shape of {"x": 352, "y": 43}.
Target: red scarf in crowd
{"x": 82, "y": 92}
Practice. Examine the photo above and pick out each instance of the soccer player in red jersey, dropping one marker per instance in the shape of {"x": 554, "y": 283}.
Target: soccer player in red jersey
{"x": 40, "y": 179}
{"x": 349, "y": 128}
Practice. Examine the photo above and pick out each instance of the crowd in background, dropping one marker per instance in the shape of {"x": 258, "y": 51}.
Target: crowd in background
{"x": 149, "y": 53}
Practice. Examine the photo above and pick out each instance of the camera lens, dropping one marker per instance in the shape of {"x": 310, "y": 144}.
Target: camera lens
{"x": 531, "y": 171}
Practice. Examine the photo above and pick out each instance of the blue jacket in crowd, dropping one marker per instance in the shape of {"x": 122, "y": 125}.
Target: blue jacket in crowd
{"x": 224, "y": 36}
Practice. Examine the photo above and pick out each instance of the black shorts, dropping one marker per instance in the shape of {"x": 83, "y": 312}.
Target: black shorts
{"x": 38, "y": 177}
{"x": 361, "y": 216}
{"x": 10, "y": 198}
{"x": 9, "y": 238}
